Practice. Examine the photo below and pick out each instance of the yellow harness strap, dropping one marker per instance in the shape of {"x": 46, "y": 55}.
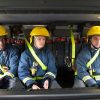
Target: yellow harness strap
{"x": 35, "y": 56}
{"x": 92, "y": 60}
{"x": 73, "y": 47}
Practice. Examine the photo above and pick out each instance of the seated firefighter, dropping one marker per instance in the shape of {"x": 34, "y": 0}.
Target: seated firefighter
{"x": 8, "y": 61}
{"x": 88, "y": 61}
{"x": 38, "y": 71}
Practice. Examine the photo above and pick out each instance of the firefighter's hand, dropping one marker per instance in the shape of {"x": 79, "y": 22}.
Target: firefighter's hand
{"x": 46, "y": 84}
{"x": 35, "y": 87}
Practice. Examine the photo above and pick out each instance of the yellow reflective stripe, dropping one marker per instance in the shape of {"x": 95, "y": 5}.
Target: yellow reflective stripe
{"x": 75, "y": 73}
{"x": 35, "y": 56}
{"x": 90, "y": 70}
{"x": 26, "y": 79}
{"x": 1, "y": 69}
{"x": 34, "y": 78}
{"x": 50, "y": 73}
{"x": 93, "y": 58}
{"x": 73, "y": 47}
{"x": 9, "y": 74}
{"x": 1, "y": 76}
{"x": 30, "y": 39}
{"x": 97, "y": 78}
{"x": 85, "y": 78}
{"x": 37, "y": 78}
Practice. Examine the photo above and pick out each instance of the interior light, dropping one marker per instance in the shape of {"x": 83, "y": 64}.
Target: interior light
{"x": 99, "y": 17}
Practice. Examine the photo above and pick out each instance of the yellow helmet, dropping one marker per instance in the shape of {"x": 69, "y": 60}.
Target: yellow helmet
{"x": 95, "y": 30}
{"x": 39, "y": 31}
{"x": 3, "y": 31}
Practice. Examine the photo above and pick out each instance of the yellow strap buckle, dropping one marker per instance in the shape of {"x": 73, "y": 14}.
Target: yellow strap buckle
{"x": 33, "y": 71}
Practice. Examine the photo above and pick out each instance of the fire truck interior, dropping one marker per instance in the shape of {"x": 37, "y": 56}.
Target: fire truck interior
{"x": 68, "y": 22}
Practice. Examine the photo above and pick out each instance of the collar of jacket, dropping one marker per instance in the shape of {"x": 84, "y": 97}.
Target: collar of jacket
{"x": 38, "y": 50}
{"x": 93, "y": 50}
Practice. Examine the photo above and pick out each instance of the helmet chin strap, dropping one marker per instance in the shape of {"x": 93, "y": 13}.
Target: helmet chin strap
{"x": 94, "y": 47}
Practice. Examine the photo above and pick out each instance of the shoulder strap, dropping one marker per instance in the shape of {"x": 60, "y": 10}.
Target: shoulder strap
{"x": 35, "y": 56}
{"x": 93, "y": 58}
{"x": 73, "y": 47}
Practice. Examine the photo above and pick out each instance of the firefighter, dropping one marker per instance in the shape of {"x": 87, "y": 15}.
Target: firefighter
{"x": 8, "y": 61}
{"x": 88, "y": 61}
{"x": 30, "y": 71}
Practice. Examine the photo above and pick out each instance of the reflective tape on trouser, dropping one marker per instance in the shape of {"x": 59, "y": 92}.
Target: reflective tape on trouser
{"x": 85, "y": 78}
{"x": 28, "y": 78}
{"x": 51, "y": 74}
{"x": 97, "y": 78}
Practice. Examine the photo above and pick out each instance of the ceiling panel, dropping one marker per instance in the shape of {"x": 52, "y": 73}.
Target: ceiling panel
{"x": 47, "y": 18}
{"x": 46, "y": 11}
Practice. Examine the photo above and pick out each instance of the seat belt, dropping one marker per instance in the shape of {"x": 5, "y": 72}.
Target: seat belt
{"x": 92, "y": 60}
{"x": 73, "y": 47}
{"x": 35, "y": 56}
{"x": 89, "y": 63}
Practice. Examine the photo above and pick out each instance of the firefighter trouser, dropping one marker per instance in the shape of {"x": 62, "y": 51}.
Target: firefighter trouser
{"x": 7, "y": 84}
{"x": 55, "y": 85}
{"x": 78, "y": 83}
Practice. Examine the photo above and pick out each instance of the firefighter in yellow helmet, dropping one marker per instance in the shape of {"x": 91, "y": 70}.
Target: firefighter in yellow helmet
{"x": 8, "y": 61}
{"x": 29, "y": 71}
{"x": 3, "y": 31}
{"x": 95, "y": 33}
{"x": 39, "y": 31}
{"x": 3, "y": 34}
{"x": 88, "y": 61}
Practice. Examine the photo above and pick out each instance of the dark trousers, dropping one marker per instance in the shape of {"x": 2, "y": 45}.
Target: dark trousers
{"x": 7, "y": 84}
{"x": 4, "y": 84}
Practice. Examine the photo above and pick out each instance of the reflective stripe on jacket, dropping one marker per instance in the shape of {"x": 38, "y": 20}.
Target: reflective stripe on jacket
{"x": 82, "y": 70}
{"x": 27, "y": 62}
{"x": 10, "y": 58}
